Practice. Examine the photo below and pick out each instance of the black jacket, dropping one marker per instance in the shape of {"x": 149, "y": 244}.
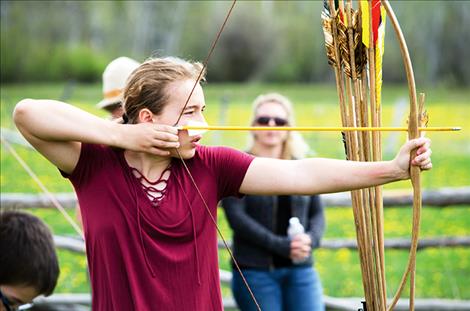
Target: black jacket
{"x": 253, "y": 220}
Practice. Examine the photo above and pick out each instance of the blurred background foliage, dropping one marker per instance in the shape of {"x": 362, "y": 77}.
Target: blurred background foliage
{"x": 264, "y": 41}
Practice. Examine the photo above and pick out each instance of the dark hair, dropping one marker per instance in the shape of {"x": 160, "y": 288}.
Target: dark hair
{"x": 27, "y": 253}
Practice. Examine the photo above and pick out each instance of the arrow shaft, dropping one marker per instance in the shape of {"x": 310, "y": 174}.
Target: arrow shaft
{"x": 316, "y": 128}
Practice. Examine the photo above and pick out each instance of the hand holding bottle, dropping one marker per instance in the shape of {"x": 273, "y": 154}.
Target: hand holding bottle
{"x": 300, "y": 242}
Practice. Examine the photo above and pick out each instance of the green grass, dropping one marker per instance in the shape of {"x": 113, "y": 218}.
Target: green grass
{"x": 440, "y": 272}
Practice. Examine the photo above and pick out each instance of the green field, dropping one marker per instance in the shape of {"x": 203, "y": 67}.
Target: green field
{"x": 440, "y": 272}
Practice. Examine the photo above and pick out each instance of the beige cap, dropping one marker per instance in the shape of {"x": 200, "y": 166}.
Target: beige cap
{"x": 114, "y": 80}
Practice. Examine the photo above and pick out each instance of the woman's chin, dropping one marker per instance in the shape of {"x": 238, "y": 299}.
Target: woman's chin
{"x": 185, "y": 153}
{"x": 271, "y": 142}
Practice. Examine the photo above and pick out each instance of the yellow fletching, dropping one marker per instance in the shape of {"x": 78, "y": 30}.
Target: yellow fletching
{"x": 379, "y": 52}
{"x": 365, "y": 21}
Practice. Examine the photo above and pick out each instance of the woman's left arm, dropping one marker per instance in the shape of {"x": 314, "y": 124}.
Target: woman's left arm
{"x": 311, "y": 176}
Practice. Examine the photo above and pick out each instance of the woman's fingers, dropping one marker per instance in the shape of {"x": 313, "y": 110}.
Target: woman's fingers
{"x": 159, "y": 143}
{"x": 424, "y": 164}
{"x": 162, "y": 138}
{"x": 426, "y": 167}
{"x": 165, "y": 128}
{"x": 166, "y": 133}
{"x": 301, "y": 246}
{"x": 424, "y": 147}
{"x": 425, "y": 155}
{"x": 423, "y": 160}
{"x": 151, "y": 138}
{"x": 421, "y": 144}
{"x": 303, "y": 237}
{"x": 300, "y": 253}
{"x": 167, "y": 136}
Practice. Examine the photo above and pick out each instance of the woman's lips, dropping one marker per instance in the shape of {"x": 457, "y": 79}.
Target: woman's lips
{"x": 195, "y": 141}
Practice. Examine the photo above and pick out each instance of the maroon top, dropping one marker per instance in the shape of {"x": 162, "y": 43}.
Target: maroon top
{"x": 143, "y": 257}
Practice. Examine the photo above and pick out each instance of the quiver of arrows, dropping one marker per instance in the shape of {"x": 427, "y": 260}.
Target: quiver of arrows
{"x": 343, "y": 33}
{"x": 354, "y": 43}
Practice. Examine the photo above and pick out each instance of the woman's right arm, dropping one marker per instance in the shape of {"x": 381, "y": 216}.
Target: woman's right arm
{"x": 57, "y": 130}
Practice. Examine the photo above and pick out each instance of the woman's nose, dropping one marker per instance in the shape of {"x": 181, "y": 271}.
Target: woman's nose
{"x": 201, "y": 118}
{"x": 272, "y": 122}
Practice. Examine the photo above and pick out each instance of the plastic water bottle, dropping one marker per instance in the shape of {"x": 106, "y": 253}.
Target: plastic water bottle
{"x": 295, "y": 228}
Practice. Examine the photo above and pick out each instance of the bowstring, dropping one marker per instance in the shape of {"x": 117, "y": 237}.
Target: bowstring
{"x": 214, "y": 221}
{"x": 51, "y": 197}
{"x": 204, "y": 64}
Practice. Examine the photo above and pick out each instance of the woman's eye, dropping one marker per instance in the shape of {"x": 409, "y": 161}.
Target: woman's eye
{"x": 189, "y": 112}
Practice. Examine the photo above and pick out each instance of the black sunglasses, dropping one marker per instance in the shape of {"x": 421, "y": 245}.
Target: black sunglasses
{"x": 263, "y": 120}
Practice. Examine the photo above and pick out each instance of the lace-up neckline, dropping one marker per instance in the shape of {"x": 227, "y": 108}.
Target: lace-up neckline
{"x": 155, "y": 190}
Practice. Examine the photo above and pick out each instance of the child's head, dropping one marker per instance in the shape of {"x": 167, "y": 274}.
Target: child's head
{"x": 28, "y": 259}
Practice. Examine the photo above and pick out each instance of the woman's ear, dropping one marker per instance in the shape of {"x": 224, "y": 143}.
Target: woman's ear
{"x": 145, "y": 115}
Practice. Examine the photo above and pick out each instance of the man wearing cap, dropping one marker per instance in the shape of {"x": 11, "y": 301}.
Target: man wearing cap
{"x": 114, "y": 80}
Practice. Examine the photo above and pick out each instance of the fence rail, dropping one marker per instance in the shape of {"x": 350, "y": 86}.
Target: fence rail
{"x": 440, "y": 198}
{"x": 395, "y": 243}
{"x": 70, "y": 301}
{"x": 77, "y": 245}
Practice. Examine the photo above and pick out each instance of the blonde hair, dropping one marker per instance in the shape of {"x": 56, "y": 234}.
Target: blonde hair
{"x": 295, "y": 146}
{"x": 146, "y": 87}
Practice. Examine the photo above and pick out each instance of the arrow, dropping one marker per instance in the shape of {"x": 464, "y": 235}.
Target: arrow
{"x": 203, "y": 128}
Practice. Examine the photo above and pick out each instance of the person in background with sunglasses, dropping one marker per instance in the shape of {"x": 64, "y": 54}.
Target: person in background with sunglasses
{"x": 279, "y": 269}
{"x": 28, "y": 260}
